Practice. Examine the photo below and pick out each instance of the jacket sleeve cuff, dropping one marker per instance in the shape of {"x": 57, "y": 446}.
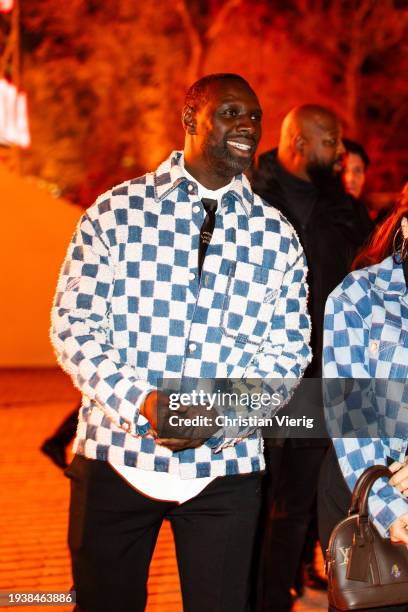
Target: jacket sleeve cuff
{"x": 125, "y": 413}
{"x": 385, "y": 508}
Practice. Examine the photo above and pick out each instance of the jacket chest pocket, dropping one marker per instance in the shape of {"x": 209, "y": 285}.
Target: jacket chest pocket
{"x": 389, "y": 355}
{"x": 249, "y": 302}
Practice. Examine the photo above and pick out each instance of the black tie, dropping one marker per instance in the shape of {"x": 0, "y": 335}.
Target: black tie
{"x": 207, "y": 229}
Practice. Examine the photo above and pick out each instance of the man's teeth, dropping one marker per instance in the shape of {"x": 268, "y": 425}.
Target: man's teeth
{"x": 239, "y": 145}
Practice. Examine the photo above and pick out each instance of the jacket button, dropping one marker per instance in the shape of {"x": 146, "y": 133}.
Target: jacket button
{"x": 192, "y": 347}
{"x": 373, "y": 346}
{"x": 190, "y": 187}
{"x": 196, "y": 209}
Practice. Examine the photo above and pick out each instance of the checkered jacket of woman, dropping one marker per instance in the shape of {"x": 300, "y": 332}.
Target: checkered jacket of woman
{"x": 366, "y": 337}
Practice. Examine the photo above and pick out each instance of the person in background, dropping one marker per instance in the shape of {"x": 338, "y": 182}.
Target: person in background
{"x": 301, "y": 178}
{"x": 366, "y": 321}
{"x": 355, "y": 166}
{"x": 183, "y": 273}
{"x": 55, "y": 447}
{"x": 354, "y": 171}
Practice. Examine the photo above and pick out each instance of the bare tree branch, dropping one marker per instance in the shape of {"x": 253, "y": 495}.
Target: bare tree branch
{"x": 196, "y": 44}
{"x": 219, "y": 20}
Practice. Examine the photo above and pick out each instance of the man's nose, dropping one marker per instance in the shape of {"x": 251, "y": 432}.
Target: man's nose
{"x": 246, "y": 124}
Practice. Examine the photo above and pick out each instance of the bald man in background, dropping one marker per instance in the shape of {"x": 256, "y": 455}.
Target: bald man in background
{"x": 301, "y": 178}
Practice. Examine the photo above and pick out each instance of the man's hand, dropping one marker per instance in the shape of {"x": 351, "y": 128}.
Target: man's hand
{"x": 399, "y": 530}
{"x": 154, "y": 401}
{"x": 179, "y": 444}
{"x": 400, "y": 477}
{"x": 190, "y": 436}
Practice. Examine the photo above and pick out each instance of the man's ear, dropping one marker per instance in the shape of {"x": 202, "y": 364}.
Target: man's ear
{"x": 299, "y": 144}
{"x": 188, "y": 118}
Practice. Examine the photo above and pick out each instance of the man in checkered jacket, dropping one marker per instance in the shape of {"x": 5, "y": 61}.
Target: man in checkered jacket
{"x": 133, "y": 307}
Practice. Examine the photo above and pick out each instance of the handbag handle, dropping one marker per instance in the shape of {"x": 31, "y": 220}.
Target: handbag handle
{"x": 361, "y": 557}
{"x": 359, "y": 501}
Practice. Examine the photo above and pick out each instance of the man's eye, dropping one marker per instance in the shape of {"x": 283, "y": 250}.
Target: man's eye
{"x": 256, "y": 117}
{"x": 230, "y": 112}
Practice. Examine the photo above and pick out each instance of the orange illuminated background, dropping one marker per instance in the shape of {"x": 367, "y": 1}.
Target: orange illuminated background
{"x": 35, "y": 229}
{"x": 105, "y": 83}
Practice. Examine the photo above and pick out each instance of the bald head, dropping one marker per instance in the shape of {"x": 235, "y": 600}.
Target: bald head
{"x": 310, "y": 141}
{"x": 304, "y": 119}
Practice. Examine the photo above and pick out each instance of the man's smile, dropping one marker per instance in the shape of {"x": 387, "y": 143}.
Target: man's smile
{"x": 243, "y": 146}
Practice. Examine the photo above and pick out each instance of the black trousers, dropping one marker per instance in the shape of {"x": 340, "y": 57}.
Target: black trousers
{"x": 113, "y": 530}
{"x": 334, "y": 500}
{"x": 291, "y": 487}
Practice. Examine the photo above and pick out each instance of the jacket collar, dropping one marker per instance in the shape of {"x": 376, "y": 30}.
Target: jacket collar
{"x": 388, "y": 277}
{"x": 169, "y": 175}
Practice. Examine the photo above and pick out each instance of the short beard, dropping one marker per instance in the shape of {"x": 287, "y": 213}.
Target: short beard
{"x": 320, "y": 174}
{"x": 326, "y": 180}
{"x": 222, "y": 162}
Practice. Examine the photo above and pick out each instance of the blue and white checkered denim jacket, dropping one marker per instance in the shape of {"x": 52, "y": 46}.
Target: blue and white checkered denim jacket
{"x": 130, "y": 309}
{"x": 366, "y": 337}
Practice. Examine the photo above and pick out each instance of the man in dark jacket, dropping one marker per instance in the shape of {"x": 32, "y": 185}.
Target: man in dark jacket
{"x": 301, "y": 178}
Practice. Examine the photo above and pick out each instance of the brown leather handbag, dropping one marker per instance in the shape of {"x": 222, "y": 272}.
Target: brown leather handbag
{"x": 364, "y": 569}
